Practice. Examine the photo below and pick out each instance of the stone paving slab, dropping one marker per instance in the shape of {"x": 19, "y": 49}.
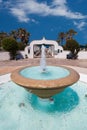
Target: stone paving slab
{"x": 9, "y": 66}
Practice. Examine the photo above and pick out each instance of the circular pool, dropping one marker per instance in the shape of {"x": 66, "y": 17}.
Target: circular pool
{"x": 22, "y": 110}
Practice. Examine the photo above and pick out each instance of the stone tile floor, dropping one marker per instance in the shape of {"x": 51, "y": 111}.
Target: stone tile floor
{"x": 9, "y": 66}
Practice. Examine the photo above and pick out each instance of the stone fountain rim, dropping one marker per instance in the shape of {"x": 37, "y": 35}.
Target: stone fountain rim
{"x": 28, "y": 83}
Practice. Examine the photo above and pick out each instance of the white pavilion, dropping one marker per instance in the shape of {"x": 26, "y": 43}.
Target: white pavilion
{"x": 34, "y": 49}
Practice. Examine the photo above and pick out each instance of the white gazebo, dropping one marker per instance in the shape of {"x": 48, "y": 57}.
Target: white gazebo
{"x": 34, "y": 49}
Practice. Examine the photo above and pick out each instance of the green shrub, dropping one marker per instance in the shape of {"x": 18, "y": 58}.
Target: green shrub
{"x": 73, "y": 46}
{"x": 21, "y": 46}
{"x": 9, "y": 44}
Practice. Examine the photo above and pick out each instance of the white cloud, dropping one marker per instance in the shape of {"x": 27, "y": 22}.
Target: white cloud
{"x": 59, "y": 2}
{"x": 61, "y": 9}
{"x": 34, "y": 21}
{"x": 80, "y": 25}
{"x": 0, "y": 3}
{"x": 20, "y": 14}
{"x": 22, "y": 9}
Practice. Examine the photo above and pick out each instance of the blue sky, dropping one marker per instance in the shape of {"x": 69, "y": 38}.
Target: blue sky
{"x": 45, "y": 18}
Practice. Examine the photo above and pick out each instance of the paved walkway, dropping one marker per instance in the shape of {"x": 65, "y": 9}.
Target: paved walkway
{"x": 9, "y": 66}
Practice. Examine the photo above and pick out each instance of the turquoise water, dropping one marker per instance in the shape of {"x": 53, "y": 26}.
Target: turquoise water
{"x": 51, "y": 73}
{"x": 20, "y": 110}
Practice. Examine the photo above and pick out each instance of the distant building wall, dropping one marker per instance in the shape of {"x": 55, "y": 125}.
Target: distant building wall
{"x": 6, "y": 56}
{"x": 62, "y": 55}
{"x": 81, "y": 55}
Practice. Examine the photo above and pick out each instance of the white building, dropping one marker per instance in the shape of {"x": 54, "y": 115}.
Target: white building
{"x": 34, "y": 49}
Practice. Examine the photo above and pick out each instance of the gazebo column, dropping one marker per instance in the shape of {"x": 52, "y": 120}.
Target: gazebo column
{"x": 31, "y": 52}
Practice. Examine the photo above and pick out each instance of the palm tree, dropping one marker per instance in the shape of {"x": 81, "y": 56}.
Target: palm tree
{"x": 23, "y": 35}
{"x": 71, "y": 33}
{"x": 14, "y": 34}
{"x": 20, "y": 34}
{"x": 61, "y": 37}
{"x": 67, "y": 37}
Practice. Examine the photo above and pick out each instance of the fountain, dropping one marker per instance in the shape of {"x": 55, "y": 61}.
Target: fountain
{"x": 28, "y": 111}
{"x": 45, "y": 81}
{"x": 43, "y": 59}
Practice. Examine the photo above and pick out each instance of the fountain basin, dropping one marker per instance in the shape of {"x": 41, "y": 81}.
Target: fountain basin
{"x": 45, "y": 88}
